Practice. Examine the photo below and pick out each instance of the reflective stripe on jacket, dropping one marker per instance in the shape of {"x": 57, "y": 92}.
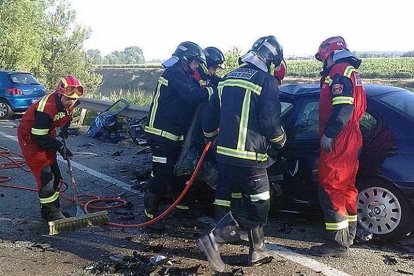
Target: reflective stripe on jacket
{"x": 245, "y": 111}
{"x": 174, "y": 103}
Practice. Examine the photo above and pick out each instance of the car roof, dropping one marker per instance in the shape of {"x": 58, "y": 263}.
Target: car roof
{"x": 19, "y": 72}
{"x": 372, "y": 90}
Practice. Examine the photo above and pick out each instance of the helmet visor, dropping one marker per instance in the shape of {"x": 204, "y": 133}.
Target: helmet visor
{"x": 73, "y": 92}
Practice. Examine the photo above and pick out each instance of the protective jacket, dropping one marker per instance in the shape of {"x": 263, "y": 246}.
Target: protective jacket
{"x": 37, "y": 135}
{"x": 246, "y": 110}
{"x": 176, "y": 98}
{"x": 341, "y": 106}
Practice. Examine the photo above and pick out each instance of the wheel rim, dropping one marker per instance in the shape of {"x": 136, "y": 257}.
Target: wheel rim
{"x": 3, "y": 110}
{"x": 379, "y": 210}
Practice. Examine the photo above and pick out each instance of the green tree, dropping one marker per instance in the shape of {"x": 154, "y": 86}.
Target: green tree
{"x": 408, "y": 54}
{"x": 133, "y": 55}
{"x": 231, "y": 60}
{"x": 21, "y": 31}
{"x": 115, "y": 57}
{"x": 94, "y": 55}
{"x": 62, "y": 48}
{"x": 130, "y": 55}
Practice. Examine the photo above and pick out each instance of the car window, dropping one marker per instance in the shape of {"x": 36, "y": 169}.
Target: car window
{"x": 23, "y": 78}
{"x": 403, "y": 102}
{"x": 307, "y": 123}
{"x": 285, "y": 107}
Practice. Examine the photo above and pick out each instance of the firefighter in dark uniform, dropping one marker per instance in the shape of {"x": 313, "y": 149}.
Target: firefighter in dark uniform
{"x": 37, "y": 139}
{"x": 174, "y": 103}
{"x": 223, "y": 195}
{"x": 206, "y": 73}
{"x": 225, "y": 199}
{"x": 244, "y": 113}
{"x": 341, "y": 106}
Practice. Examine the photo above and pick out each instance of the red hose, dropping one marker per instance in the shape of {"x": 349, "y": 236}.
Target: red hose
{"x": 169, "y": 209}
{"x": 20, "y": 164}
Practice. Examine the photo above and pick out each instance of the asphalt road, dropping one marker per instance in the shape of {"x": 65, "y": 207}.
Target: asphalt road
{"x": 113, "y": 171}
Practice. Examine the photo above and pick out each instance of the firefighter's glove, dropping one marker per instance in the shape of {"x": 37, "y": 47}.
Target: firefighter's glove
{"x": 273, "y": 150}
{"x": 64, "y": 133}
{"x": 326, "y": 143}
{"x": 65, "y": 152}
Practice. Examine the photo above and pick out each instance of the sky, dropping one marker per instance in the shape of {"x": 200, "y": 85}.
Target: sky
{"x": 159, "y": 26}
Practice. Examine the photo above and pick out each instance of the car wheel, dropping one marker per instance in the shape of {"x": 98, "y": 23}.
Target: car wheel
{"x": 383, "y": 210}
{"x": 5, "y": 111}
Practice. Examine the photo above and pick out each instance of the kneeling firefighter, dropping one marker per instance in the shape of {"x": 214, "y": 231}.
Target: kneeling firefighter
{"x": 244, "y": 114}
{"x": 37, "y": 139}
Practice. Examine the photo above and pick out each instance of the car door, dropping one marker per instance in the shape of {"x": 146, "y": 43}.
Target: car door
{"x": 302, "y": 152}
{"x": 299, "y": 164}
{"x": 297, "y": 167}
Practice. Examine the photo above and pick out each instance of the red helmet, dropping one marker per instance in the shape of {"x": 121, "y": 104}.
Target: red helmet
{"x": 280, "y": 71}
{"x": 70, "y": 87}
{"x": 330, "y": 45}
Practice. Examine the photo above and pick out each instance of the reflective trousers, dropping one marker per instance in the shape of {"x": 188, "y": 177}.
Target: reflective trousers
{"x": 164, "y": 158}
{"x": 253, "y": 184}
{"x": 44, "y": 167}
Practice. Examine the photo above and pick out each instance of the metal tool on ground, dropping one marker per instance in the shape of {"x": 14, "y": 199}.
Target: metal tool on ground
{"x": 81, "y": 219}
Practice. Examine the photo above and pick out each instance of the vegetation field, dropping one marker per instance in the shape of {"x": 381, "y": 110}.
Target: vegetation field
{"x": 136, "y": 82}
{"x": 383, "y": 68}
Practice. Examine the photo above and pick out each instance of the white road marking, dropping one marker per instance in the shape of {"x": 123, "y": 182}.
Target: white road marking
{"x": 81, "y": 167}
{"x": 305, "y": 261}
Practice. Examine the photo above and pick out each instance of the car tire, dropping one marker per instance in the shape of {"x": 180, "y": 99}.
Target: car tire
{"x": 383, "y": 210}
{"x": 5, "y": 111}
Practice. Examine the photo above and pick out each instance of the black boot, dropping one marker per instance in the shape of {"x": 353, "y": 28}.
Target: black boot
{"x": 151, "y": 205}
{"x": 220, "y": 212}
{"x": 236, "y": 203}
{"x": 258, "y": 254}
{"x": 51, "y": 211}
{"x": 336, "y": 245}
{"x": 226, "y": 229}
{"x": 352, "y": 231}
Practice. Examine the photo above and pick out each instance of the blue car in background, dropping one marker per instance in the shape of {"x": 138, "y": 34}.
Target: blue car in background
{"x": 18, "y": 90}
{"x": 385, "y": 177}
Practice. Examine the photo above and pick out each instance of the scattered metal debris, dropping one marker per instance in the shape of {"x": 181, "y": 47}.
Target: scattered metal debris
{"x": 87, "y": 145}
{"x": 73, "y": 131}
{"x": 170, "y": 271}
{"x": 404, "y": 272}
{"x": 117, "y": 153}
{"x": 138, "y": 264}
{"x": 390, "y": 260}
{"x": 42, "y": 246}
{"x": 237, "y": 272}
{"x": 141, "y": 186}
{"x": 363, "y": 235}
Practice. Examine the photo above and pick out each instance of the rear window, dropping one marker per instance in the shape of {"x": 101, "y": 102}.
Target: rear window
{"x": 402, "y": 101}
{"x": 22, "y": 78}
